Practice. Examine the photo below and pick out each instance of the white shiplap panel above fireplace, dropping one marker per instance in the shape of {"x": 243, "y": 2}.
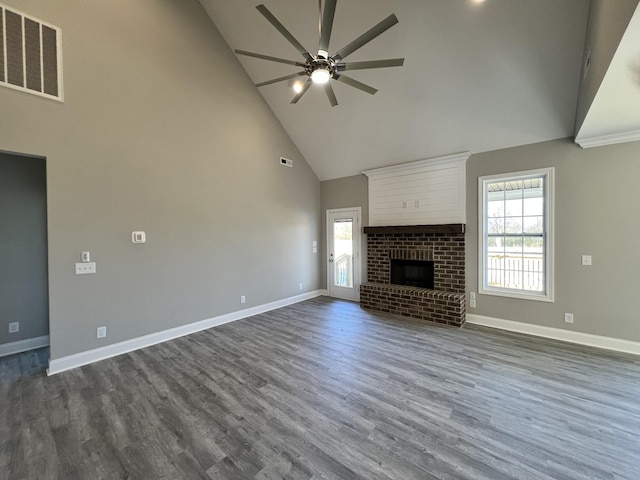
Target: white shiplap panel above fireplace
{"x": 426, "y": 192}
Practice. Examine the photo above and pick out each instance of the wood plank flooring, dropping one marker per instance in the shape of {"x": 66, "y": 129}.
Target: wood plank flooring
{"x": 326, "y": 390}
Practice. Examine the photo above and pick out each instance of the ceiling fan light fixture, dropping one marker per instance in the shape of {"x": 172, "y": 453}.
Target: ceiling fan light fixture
{"x": 297, "y": 85}
{"x": 321, "y": 75}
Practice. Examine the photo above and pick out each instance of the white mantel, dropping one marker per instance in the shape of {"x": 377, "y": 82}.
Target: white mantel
{"x": 425, "y": 192}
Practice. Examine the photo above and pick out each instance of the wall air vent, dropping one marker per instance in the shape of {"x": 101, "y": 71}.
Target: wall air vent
{"x": 30, "y": 54}
{"x": 286, "y": 162}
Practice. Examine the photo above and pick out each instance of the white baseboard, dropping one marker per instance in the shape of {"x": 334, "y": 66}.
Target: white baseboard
{"x": 23, "y": 345}
{"x": 84, "y": 358}
{"x": 571, "y": 336}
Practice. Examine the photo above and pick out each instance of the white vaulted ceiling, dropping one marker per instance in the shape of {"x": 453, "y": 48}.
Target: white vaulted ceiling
{"x": 477, "y": 77}
{"x": 614, "y": 114}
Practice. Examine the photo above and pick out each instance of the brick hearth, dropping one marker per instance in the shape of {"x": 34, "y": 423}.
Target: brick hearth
{"x": 446, "y": 303}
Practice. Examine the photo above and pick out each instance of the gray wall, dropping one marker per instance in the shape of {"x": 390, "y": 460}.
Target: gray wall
{"x": 608, "y": 20}
{"x": 596, "y": 201}
{"x": 23, "y": 247}
{"x": 162, "y": 131}
{"x": 343, "y": 193}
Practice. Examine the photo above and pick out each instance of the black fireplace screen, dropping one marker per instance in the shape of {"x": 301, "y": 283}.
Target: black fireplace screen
{"x": 415, "y": 273}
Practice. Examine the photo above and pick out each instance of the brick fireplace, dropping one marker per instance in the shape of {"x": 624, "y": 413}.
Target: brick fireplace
{"x": 442, "y": 244}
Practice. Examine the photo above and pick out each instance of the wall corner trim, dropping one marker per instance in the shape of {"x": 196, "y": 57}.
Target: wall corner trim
{"x": 418, "y": 165}
{"x": 23, "y": 345}
{"x": 571, "y": 336}
{"x": 611, "y": 139}
{"x": 90, "y": 356}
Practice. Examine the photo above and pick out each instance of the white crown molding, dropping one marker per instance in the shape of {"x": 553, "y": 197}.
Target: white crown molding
{"x": 611, "y": 139}
{"x": 84, "y": 358}
{"x": 404, "y": 168}
{"x": 23, "y": 345}
{"x": 570, "y": 336}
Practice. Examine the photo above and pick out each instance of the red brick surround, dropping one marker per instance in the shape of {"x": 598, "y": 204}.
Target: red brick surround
{"x": 445, "y": 303}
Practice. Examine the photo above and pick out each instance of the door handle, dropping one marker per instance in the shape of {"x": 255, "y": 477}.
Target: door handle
{"x": 331, "y": 260}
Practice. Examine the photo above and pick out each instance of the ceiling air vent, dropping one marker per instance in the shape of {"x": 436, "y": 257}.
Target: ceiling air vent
{"x": 286, "y": 162}
{"x": 30, "y": 54}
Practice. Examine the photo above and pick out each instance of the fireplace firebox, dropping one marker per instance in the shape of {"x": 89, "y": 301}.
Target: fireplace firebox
{"x": 413, "y": 273}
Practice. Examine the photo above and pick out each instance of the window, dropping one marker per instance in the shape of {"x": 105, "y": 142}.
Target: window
{"x": 516, "y": 235}
{"x": 30, "y": 54}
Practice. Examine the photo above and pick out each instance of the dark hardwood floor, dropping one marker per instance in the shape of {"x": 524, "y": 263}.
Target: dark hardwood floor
{"x": 326, "y": 390}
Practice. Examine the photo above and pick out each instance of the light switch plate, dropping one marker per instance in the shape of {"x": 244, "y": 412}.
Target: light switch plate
{"x": 586, "y": 260}
{"x": 138, "y": 237}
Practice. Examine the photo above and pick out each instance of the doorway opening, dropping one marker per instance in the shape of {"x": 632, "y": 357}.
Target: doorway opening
{"x": 24, "y": 284}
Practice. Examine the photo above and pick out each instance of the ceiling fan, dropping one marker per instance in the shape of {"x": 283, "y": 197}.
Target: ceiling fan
{"x": 321, "y": 68}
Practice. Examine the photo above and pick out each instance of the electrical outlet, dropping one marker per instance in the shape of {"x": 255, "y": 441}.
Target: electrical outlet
{"x": 568, "y": 318}
{"x": 299, "y": 286}
{"x": 85, "y": 268}
{"x": 472, "y": 299}
{"x": 243, "y": 299}
{"x": 101, "y": 332}
{"x": 586, "y": 260}
{"x": 14, "y": 327}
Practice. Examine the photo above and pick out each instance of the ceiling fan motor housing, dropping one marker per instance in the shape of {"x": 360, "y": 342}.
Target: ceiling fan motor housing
{"x": 320, "y": 64}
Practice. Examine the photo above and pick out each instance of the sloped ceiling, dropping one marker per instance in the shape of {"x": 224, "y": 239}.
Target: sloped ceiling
{"x": 614, "y": 114}
{"x": 477, "y": 77}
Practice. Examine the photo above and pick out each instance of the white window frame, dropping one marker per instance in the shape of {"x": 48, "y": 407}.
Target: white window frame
{"x": 549, "y": 193}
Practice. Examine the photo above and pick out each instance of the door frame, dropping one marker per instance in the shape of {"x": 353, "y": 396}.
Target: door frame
{"x": 356, "y": 214}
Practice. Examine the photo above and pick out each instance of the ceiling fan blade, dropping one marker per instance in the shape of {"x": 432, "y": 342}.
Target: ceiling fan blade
{"x": 327, "y": 24}
{"x": 280, "y": 79}
{"x": 355, "y": 84}
{"x": 330, "y": 94}
{"x": 366, "y": 37}
{"x": 305, "y": 87}
{"x": 285, "y": 33}
{"x": 392, "y": 62}
{"x": 267, "y": 57}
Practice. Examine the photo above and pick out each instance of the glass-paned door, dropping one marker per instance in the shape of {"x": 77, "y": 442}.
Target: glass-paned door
{"x": 343, "y": 255}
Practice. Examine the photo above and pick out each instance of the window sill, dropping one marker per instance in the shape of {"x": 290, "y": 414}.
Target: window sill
{"x": 548, "y": 298}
